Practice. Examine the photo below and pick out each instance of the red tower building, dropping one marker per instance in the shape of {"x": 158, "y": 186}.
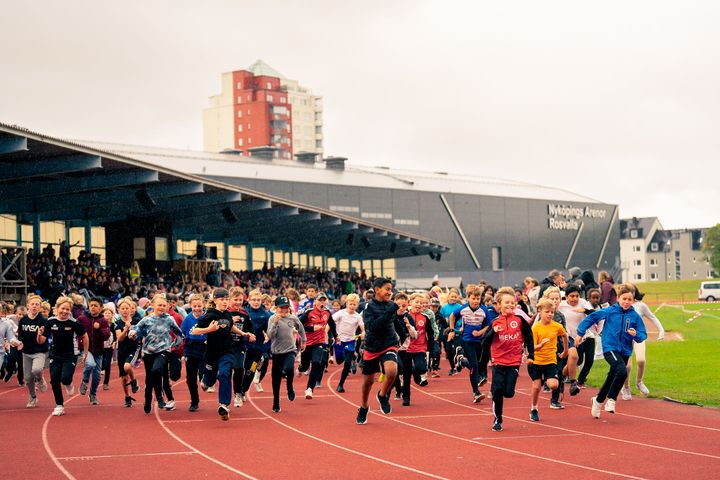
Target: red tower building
{"x": 262, "y": 114}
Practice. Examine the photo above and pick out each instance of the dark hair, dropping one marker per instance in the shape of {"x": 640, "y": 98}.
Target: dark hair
{"x": 571, "y": 289}
{"x": 380, "y": 282}
{"x": 638, "y": 294}
{"x": 96, "y": 300}
{"x": 311, "y": 285}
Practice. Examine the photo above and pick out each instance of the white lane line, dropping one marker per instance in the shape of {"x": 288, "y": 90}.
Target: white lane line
{"x": 604, "y": 437}
{"x": 199, "y": 452}
{"x": 126, "y": 455}
{"x": 354, "y": 452}
{"x": 214, "y": 420}
{"x": 11, "y": 390}
{"x": 503, "y": 437}
{"x": 476, "y": 442}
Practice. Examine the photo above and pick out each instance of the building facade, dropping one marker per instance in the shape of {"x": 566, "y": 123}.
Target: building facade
{"x": 650, "y": 253}
{"x": 259, "y": 107}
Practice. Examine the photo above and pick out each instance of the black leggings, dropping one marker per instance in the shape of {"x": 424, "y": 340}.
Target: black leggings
{"x": 156, "y": 376}
{"x": 312, "y": 358}
{"x": 62, "y": 370}
{"x": 107, "y": 364}
{"x": 194, "y": 369}
{"x": 282, "y": 363}
{"x": 615, "y": 378}
{"x": 503, "y": 386}
{"x": 586, "y": 357}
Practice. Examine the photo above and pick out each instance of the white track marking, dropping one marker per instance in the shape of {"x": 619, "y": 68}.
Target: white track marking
{"x": 99, "y": 457}
{"x": 11, "y": 390}
{"x": 355, "y": 452}
{"x": 503, "y": 437}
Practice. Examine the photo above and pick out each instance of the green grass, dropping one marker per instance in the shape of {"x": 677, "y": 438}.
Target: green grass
{"x": 673, "y": 291}
{"x": 684, "y": 370}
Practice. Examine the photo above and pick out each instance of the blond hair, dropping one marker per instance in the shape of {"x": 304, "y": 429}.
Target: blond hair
{"x": 624, "y": 288}
{"x": 353, "y": 297}
{"x": 156, "y": 297}
{"x": 546, "y": 293}
{"x": 415, "y": 296}
{"x": 129, "y": 301}
{"x": 545, "y": 304}
{"x": 33, "y": 296}
{"x": 236, "y": 292}
{"x": 62, "y": 300}
{"x": 195, "y": 297}
{"x": 503, "y": 293}
{"x": 255, "y": 293}
{"x": 474, "y": 291}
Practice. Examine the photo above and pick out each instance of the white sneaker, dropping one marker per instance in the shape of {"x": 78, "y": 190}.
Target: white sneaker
{"x": 69, "y": 389}
{"x": 211, "y": 389}
{"x": 42, "y": 385}
{"x": 259, "y": 387}
{"x": 32, "y": 402}
{"x": 595, "y": 408}
{"x": 58, "y": 410}
{"x": 238, "y": 400}
{"x": 256, "y": 378}
{"x": 308, "y": 393}
{"x": 610, "y": 405}
{"x": 626, "y": 394}
{"x": 170, "y": 405}
{"x": 643, "y": 389}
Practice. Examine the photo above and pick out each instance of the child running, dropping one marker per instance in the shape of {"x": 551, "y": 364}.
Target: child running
{"x": 506, "y": 338}
{"x": 283, "y": 327}
{"x": 154, "y": 331}
{"x": 128, "y": 350}
{"x": 545, "y": 332}
{"x": 194, "y": 350}
{"x": 64, "y": 331}
{"x": 623, "y": 327}
{"x": 347, "y": 321}
{"x": 34, "y": 354}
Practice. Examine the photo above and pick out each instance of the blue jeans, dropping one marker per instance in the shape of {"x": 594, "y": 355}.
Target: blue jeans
{"x": 93, "y": 365}
{"x": 220, "y": 371}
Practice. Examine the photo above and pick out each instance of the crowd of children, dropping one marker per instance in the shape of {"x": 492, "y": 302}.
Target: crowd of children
{"x": 230, "y": 338}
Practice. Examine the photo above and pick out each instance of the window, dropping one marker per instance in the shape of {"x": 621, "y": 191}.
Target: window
{"x": 283, "y": 100}
{"x": 343, "y": 208}
{"x": 636, "y": 248}
{"x": 653, "y": 276}
{"x": 653, "y": 262}
{"x": 249, "y": 126}
{"x": 161, "y": 249}
{"x": 239, "y": 127}
{"x": 637, "y": 262}
{"x": 694, "y": 260}
{"x": 406, "y": 221}
{"x": 269, "y": 98}
{"x": 248, "y": 111}
{"x": 249, "y": 140}
{"x": 239, "y": 99}
{"x": 239, "y": 113}
{"x": 375, "y": 215}
{"x": 269, "y": 85}
{"x": 638, "y": 276}
{"x": 240, "y": 142}
{"x": 654, "y": 247}
{"x": 633, "y": 234}
{"x": 139, "y": 248}
{"x": 497, "y": 258}
{"x": 239, "y": 85}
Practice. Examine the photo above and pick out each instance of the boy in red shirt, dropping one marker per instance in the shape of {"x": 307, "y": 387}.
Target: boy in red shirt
{"x": 509, "y": 333}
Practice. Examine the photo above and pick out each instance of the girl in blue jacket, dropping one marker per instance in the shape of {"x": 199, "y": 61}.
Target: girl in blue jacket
{"x": 623, "y": 326}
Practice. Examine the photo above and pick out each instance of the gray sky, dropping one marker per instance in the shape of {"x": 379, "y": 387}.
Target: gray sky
{"x": 617, "y": 100}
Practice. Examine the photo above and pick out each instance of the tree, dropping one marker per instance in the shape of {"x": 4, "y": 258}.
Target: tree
{"x": 711, "y": 247}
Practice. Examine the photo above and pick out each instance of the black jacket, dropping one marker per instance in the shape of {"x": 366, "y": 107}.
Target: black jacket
{"x": 380, "y": 324}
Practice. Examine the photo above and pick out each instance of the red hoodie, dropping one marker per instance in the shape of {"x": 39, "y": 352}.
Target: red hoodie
{"x": 510, "y": 332}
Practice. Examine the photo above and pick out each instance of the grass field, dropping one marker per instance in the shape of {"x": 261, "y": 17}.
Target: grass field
{"x": 684, "y": 370}
{"x": 673, "y": 291}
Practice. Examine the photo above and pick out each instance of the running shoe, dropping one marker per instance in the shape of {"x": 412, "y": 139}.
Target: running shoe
{"x": 83, "y": 387}
{"x": 340, "y": 389}
{"x": 353, "y": 367}
{"x": 224, "y": 412}
{"x": 161, "y": 405}
{"x": 534, "y": 416}
{"x": 643, "y": 389}
{"x": 134, "y": 386}
{"x": 238, "y": 400}
{"x": 147, "y": 408}
{"x": 423, "y": 380}
{"x": 58, "y": 410}
{"x": 626, "y": 393}
{"x": 362, "y": 414}
{"x": 406, "y": 402}
{"x": 435, "y": 374}
{"x": 478, "y": 397}
{"x": 32, "y": 402}
{"x": 610, "y": 405}
{"x": 482, "y": 381}
{"x": 574, "y": 388}
{"x": 557, "y": 405}
{"x": 398, "y": 396}
{"x": 497, "y": 426}
{"x": 318, "y": 385}
{"x": 384, "y": 401}
{"x": 193, "y": 407}
{"x": 581, "y": 386}
{"x": 128, "y": 401}
{"x": 93, "y": 400}
{"x": 70, "y": 389}
{"x": 106, "y": 386}
{"x": 452, "y": 372}
{"x": 259, "y": 387}
{"x": 546, "y": 389}
{"x": 291, "y": 394}
{"x": 211, "y": 389}
{"x": 595, "y": 408}
{"x": 170, "y": 405}
{"x": 42, "y": 385}
{"x": 308, "y": 393}
{"x": 276, "y": 408}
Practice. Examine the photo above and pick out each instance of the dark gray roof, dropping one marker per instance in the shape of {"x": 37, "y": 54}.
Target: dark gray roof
{"x": 643, "y": 225}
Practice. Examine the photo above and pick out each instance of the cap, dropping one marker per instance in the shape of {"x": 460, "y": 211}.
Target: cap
{"x": 435, "y": 302}
{"x": 321, "y": 295}
{"x": 220, "y": 293}
{"x": 282, "y": 302}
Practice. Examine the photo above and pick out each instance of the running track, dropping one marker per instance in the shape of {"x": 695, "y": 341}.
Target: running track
{"x": 442, "y": 435}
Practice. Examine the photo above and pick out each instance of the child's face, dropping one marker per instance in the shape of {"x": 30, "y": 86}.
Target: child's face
{"x": 424, "y": 303}
{"x": 108, "y": 315}
{"x": 416, "y": 305}
{"x": 160, "y": 306}
{"x": 255, "y": 301}
{"x": 546, "y": 315}
{"x": 507, "y": 304}
{"x": 573, "y": 299}
{"x": 236, "y": 302}
{"x": 352, "y": 305}
{"x": 33, "y": 306}
{"x": 95, "y": 309}
{"x": 595, "y": 298}
{"x": 402, "y": 303}
{"x": 336, "y": 305}
{"x": 197, "y": 307}
{"x": 125, "y": 310}
{"x": 626, "y": 300}
{"x": 474, "y": 301}
{"x": 310, "y": 292}
{"x": 221, "y": 304}
{"x": 554, "y": 297}
{"x": 452, "y": 297}
{"x": 283, "y": 311}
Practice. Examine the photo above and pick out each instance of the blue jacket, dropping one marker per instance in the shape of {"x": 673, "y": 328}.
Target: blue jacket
{"x": 614, "y": 333}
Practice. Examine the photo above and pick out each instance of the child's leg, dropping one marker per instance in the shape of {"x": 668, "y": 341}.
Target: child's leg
{"x": 288, "y": 366}
{"x": 276, "y": 377}
{"x": 628, "y": 369}
{"x": 406, "y": 375}
{"x": 224, "y": 368}
{"x": 316, "y": 357}
{"x": 497, "y": 388}
{"x": 419, "y": 366}
{"x": 473, "y": 350}
{"x": 615, "y": 377}
{"x": 536, "y": 387}
{"x": 639, "y": 349}
{"x": 148, "y": 360}
{"x": 572, "y": 363}
{"x": 587, "y": 348}
{"x": 191, "y": 378}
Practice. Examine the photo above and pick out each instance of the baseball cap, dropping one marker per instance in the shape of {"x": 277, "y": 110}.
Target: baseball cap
{"x": 282, "y": 301}
{"x": 435, "y": 302}
{"x": 321, "y": 295}
{"x": 220, "y": 293}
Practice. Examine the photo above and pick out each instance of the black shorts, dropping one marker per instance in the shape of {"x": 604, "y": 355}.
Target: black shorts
{"x": 127, "y": 356}
{"x": 543, "y": 372}
{"x": 371, "y": 367}
{"x": 504, "y": 379}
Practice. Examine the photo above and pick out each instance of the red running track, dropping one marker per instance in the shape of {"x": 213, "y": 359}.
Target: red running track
{"x": 442, "y": 435}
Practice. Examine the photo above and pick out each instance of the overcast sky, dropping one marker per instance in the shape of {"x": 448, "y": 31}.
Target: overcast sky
{"x": 616, "y": 100}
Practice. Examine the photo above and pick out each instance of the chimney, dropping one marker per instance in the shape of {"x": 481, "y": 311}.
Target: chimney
{"x": 335, "y": 163}
{"x": 306, "y": 157}
{"x": 264, "y": 153}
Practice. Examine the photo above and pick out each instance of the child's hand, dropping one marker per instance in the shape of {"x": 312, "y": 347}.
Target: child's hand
{"x": 252, "y": 337}
{"x": 132, "y": 334}
{"x": 214, "y": 327}
{"x": 631, "y": 331}
{"x": 497, "y": 328}
{"x": 476, "y": 333}
{"x": 564, "y": 354}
